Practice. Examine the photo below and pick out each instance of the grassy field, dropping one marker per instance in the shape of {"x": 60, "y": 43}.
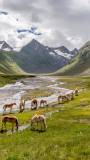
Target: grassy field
{"x": 37, "y": 93}
{"x": 67, "y": 136}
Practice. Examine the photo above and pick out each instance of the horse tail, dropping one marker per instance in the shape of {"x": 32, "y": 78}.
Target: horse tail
{"x": 17, "y": 124}
{"x": 44, "y": 122}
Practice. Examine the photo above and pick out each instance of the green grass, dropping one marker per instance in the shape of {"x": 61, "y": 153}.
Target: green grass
{"x": 67, "y": 136}
{"x": 37, "y": 93}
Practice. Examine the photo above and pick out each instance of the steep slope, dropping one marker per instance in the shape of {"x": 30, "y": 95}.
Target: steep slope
{"x": 37, "y": 58}
{"x": 8, "y": 64}
{"x": 4, "y": 46}
{"x": 80, "y": 65}
{"x": 34, "y": 58}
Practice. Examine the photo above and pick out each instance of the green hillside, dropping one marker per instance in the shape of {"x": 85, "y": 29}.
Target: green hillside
{"x": 80, "y": 65}
{"x": 8, "y": 63}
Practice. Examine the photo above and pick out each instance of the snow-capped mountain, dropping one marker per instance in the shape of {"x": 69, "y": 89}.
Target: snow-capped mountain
{"x": 43, "y": 59}
{"x": 4, "y": 46}
{"x": 63, "y": 51}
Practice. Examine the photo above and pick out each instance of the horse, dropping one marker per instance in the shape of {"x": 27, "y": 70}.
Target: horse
{"x": 62, "y": 98}
{"x": 8, "y": 106}
{"x": 70, "y": 96}
{"x": 43, "y": 103}
{"x": 22, "y": 105}
{"x": 10, "y": 119}
{"x": 39, "y": 119}
{"x": 76, "y": 92}
{"x": 34, "y": 103}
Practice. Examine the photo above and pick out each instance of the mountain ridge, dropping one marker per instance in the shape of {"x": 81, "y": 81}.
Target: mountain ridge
{"x": 80, "y": 65}
{"x": 36, "y": 58}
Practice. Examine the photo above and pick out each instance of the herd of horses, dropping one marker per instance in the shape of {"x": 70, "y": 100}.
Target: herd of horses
{"x": 36, "y": 119}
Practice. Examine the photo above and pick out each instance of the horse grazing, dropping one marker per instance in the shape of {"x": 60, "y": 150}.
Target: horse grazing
{"x": 8, "y": 106}
{"x": 43, "y": 103}
{"x": 10, "y": 119}
{"x": 76, "y": 92}
{"x": 39, "y": 119}
{"x": 70, "y": 96}
{"x": 34, "y": 104}
{"x": 62, "y": 98}
{"x": 22, "y": 105}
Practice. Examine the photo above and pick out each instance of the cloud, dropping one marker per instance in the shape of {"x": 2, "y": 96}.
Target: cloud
{"x": 32, "y": 30}
{"x": 3, "y": 12}
{"x": 60, "y": 22}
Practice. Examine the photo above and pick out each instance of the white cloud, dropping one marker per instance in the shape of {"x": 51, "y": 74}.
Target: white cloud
{"x": 60, "y": 22}
{"x": 75, "y": 41}
{"x": 80, "y": 5}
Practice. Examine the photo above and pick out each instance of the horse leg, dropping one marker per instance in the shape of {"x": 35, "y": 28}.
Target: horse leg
{"x": 36, "y": 105}
{"x": 12, "y": 127}
{"x": 37, "y": 125}
{"x": 4, "y": 125}
{"x": 40, "y": 104}
{"x": 41, "y": 126}
{"x": 44, "y": 123}
{"x": 3, "y": 111}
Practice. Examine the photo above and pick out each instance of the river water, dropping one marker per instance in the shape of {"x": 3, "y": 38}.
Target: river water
{"x": 12, "y": 92}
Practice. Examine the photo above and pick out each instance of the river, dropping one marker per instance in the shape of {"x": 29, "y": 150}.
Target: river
{"x": 12, "y": 92}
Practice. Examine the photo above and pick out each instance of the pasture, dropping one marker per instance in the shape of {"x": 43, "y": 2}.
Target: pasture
{"x": 68, "y": 131}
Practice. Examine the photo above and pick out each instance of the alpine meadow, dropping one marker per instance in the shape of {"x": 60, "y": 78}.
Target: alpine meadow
{"x": 44, "y": 80}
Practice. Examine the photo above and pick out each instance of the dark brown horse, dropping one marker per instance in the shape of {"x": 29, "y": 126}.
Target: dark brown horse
{"x": 8, "y": 106}
{"x": 34, "y": 104}
{"x": 10, "y": 119}
{"x": 43, "y": 103}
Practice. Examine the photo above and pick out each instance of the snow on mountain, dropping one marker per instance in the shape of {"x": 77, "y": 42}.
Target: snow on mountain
{"x": 4, "y": 46}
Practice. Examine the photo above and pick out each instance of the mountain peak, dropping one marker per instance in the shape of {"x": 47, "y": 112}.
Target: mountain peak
{"x": 5, "y": 46}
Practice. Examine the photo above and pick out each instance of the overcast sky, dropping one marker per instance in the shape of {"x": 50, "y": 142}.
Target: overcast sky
{"x": 60, "y": 22}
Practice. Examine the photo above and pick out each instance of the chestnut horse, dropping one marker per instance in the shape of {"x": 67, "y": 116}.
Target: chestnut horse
{"x": 39, "y": 119}
{"x": 22, "y": 105}
{"x": 43, "y": 103}
{"x": 34, "y": 104}
{"x": 76, "y": 92}
{"x": 10, "y": 119}
{"x": 62, "y": 98}
{"x": 9, "y": 106}
{"x": 70, "y": 96}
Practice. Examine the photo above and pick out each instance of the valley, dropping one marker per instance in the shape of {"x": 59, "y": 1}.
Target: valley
{"x": 68, "y": 124}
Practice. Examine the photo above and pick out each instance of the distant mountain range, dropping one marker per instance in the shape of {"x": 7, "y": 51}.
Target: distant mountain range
{"x": 43, "y": 59}
{"x": 34, "y": 58}
{"x": 80, "y": 65}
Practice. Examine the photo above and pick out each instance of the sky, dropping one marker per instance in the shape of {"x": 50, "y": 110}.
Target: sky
{"x": 51, "y": 22}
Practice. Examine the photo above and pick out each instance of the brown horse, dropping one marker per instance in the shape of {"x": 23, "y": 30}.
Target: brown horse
{"x": 76, "y": 92}
{"x": 39, "y": 119}
{"x": 34, "y": 104}
{"x": 8, "y": 106}
{"x": 62, "y": 98}
{"x": 43, "y": 103}
{"x": 70, "y": 96}
{"x": 10, "y": 119}
{"x": 22, "y": 105}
